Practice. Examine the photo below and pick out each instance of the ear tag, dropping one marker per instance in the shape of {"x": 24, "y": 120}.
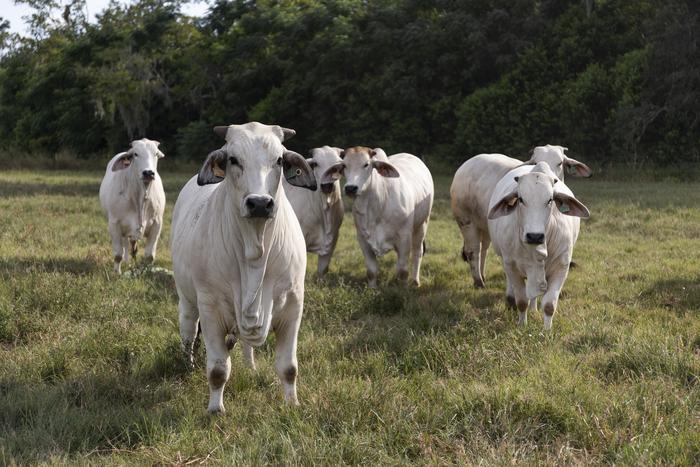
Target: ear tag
{"x": 512, "y": 202}
{"x": 292, "y": 172}
{"x": 564, "y": 208}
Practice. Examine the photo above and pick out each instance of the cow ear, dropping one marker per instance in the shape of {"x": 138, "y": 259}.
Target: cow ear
{"x": 333, "y": 173}
{"x": 372, "y": 152}
{"x": 214, "y": 168}
{"x": 576, "y": 168}
{"x": 385, "y": 169}
{"x": 312, "y": 163}
{"x": 297, "y": 171}
{"x": 341, "y": 154}
{"x": 221, "y": 131}
{"x": 570, "y": 206}
{"x": 505, "y": 206}
{"x": 123, "y": 162}
{"x": 287, "y": 133}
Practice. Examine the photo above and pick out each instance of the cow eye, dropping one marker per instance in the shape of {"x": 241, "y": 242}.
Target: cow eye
{"x": 233, "y": 160}
{"x": 559, "y": 164}
{"x": 279, "y": 161}
{"x": 549, "y": 202}
{"x": 520, "y": 200}
{"x": 366, "y": 165}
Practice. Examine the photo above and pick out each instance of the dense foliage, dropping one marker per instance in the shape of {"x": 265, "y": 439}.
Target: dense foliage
{"x": 617, "y": 81}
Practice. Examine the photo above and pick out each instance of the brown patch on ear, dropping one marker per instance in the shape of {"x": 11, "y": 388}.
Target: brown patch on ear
{"x": 504, "y": 207}
{"x": 217, "y": 170}
{"x": 385, "y": 169}
{"x": 123, "y": 162}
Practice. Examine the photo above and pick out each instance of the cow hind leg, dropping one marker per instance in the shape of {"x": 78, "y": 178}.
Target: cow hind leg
{"x": 248, "y": 356}
{"x": 418, "y": 250}
{"x": 323, "y": 262}
{"x": 471, "y": 252}
{"x": 189, "y": 330}
{"x": 485, "y": 243}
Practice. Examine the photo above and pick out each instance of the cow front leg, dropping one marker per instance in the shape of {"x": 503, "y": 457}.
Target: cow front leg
{"x": 323, "y": 262}
{"x": 218, "y": 359}
{"x": 403, "y": 255}
{"x": 117, "y": 245}
{"x": 152, "y": 237}
{"x": 550, "y": 299}
{"x": 286, "y": 330}
{"x": 371, "y": 263}
{"x": 517, "y": 283}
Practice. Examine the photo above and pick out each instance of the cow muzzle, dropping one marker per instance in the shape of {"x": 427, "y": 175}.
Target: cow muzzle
{"x": 351, "y": 190}
{"x": 534, "y": 238}
{"x": 327, "y": 188}
{"x": 259, "y": 206}
{"x": 148, "y": 176}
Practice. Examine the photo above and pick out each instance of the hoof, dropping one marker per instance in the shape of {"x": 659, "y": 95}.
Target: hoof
{"x": 216, "y": 411}
{"x": 479, "y": 283}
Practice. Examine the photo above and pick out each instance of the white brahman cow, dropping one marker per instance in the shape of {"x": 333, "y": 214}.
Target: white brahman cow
{"x": 238, "y": 253}
{"x": 393, "y": 197}
{"x": 534, "y": 224}
{"x": 471, "y": 190}
{"x": 132, "y": 196}
{"x": 320, "y": 213}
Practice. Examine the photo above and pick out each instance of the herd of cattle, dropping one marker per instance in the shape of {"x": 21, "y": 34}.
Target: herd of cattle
{"x": 242, "y": 226}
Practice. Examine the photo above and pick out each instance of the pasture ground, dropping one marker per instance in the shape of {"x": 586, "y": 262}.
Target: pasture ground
{"x": 90, "y": 368}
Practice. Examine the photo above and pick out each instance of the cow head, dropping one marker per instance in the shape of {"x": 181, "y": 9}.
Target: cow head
{"x": 559, "y": 162}
{"x": 359, "y": 164}
{"x": 327, "y": 166}
{"x": 141, "y": 160}
{"x": 533, "y": 200}
{"x": 253, "y": 161}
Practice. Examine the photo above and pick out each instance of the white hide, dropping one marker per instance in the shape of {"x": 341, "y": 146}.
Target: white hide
{"x": 533, "y": 270}
{"x": 240, "y": 276}
{"x": 390, "y": 212}
{"x": 320, "y": 213}
{"x": 134, "y": 205}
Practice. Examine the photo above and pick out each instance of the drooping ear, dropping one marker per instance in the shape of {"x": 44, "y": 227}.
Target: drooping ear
{"x": 287, "y": 133}
{"x": 297, "y": 171}
{"x": 505, "y": 206}
{"x": 221, "y": 131}
{"x": 214, "y": 168}
{"x": 333, "y": 173}
{"x": 570, "y": 206}
{"x": 576, "y": 168}
{"x": 385, "y": 169}
{"x": 341, "y": 154}
{"x": 312, "y": 163}
{"x": 124, "y": 161}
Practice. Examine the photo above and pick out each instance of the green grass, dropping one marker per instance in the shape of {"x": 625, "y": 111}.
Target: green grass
{"x": 90, "y": 368}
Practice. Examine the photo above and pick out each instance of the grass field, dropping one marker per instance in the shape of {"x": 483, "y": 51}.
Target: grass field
{"x": 90, "y": 368}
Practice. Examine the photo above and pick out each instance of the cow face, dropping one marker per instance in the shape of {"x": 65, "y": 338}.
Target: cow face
{"x": 360, "y": 163}
{"x": 141, "y": 160}
{"x": 559, "y": 162}
{"x": 327, "y": 166}
{"x": 533, "y": 201}
{"x": 253, "y": 161}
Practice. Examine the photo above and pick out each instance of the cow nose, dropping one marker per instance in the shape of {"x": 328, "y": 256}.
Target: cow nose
{"x": 259, "y": 206}
{"x": 534, "y": 238}
{"x": 148, "y": 174}
{"x": 351, "y": 190}
{"x": 327, "y": 188}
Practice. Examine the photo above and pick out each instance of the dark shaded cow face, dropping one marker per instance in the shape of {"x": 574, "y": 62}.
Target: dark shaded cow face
{"x": 325, "y": 163}
{"x": 253, "y": 160}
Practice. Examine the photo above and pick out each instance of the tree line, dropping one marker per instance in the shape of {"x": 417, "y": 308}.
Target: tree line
{"x": 617, "y": 81}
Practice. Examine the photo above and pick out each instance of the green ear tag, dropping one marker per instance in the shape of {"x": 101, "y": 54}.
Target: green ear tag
{"x": 564, "y": 208}
{"x": 292, "y": 172}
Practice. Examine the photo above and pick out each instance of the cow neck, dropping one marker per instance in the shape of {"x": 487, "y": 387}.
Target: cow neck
{"x": 251, "y": 259}
{"x": 369, "y": 205}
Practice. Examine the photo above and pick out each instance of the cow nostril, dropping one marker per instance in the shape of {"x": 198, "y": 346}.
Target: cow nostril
{"x": 350, "y": 189}
{"x": 534, "y": 238}
{"x": 249, "y": 203}
{"x": 270, "y": 205}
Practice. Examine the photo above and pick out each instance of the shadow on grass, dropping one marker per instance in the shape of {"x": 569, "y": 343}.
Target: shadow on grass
{"x": 677, "y": 295}
{"x": 74, "y": 266}
{"x": 27, "y": 189}
{"x": 101, "y": 412}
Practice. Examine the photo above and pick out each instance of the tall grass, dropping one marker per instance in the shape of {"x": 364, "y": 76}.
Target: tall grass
{"x": 90, "y": 369}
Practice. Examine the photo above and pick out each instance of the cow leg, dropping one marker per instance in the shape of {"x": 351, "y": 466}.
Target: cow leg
{"x": 417, "y": 252}
{"x": 117, "y": 246}
{"x": 134, "y": 248}
{"x": 286, "y": 331}
{"x": 471, "y": 251}
{"x": 152, "y": 236}
{"x": 370, "y": 262}
{"x": 248, "y": 355}
{"x": 485, "y": 242}
{"x": 189, "y": 320}
{"x": 218, "y": 359}
{"x": 517, "y": 282}
{"x": 403, "y": 254}
{"x": 323, "y": 262}
{"x": 550, "y": 299}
